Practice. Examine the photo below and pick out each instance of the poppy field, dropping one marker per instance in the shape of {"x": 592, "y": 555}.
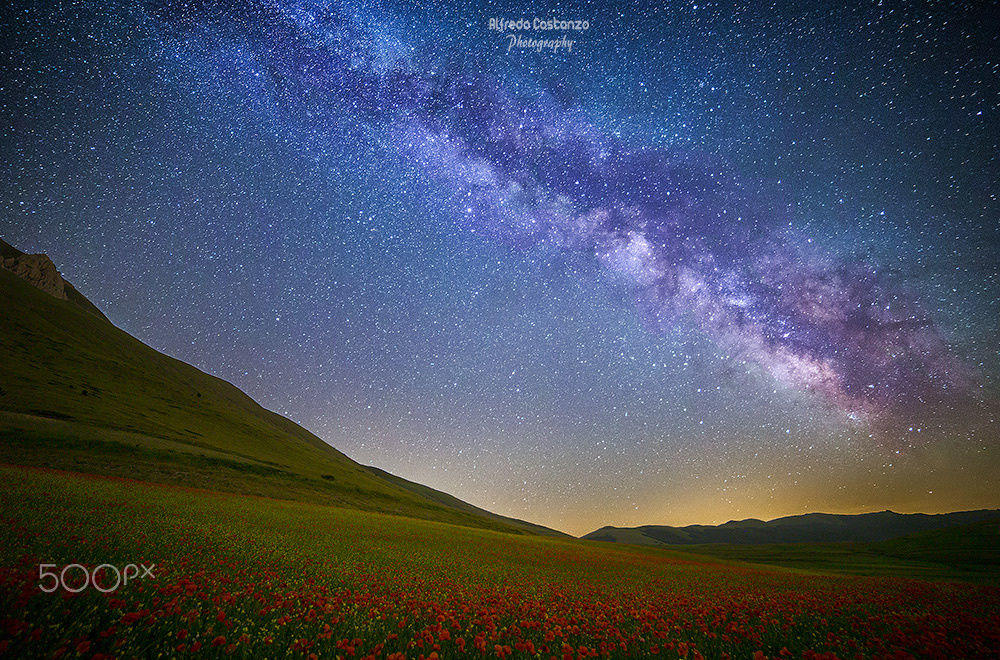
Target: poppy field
{"x": 239, "y": 576}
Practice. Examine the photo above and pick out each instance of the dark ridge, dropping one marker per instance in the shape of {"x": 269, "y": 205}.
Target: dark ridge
{"x": 807, "y": 528}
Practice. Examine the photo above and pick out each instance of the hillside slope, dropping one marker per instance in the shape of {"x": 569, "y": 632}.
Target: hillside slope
{"x": 78, "y": 393}
{"x": 808, "y": 528}
{"x": 971, "y": 545}
{"x": 968, "y": 551}
{"x": 453, "y": 502}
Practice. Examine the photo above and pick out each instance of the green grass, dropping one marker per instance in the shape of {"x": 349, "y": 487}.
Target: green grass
{"x": 971, "y": 547}
{"x": 963, "y": 552}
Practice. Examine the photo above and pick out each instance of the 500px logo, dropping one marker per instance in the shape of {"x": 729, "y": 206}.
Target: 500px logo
{"x": 50, "y": 580}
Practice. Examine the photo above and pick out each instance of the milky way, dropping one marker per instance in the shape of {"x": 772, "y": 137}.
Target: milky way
{"x": 689, "y": 244}
{"x": 721, "y": 260}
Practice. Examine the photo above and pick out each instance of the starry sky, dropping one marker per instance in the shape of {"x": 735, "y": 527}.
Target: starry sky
{"x": 714, "y": 262}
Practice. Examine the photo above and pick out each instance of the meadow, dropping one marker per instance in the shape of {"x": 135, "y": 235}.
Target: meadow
{"x": 968, "y": 552}
{"x": 244, "y": 576}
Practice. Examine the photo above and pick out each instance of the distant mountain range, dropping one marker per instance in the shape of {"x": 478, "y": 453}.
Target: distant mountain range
{"x": 807, "y": 528}
{"x": 78, "y": 393}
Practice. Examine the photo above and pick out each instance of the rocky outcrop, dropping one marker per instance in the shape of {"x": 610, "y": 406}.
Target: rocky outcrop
{"x": 39, "y": 270}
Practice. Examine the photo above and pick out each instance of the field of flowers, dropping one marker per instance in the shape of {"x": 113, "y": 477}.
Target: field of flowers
{"x": 251, "y": 577}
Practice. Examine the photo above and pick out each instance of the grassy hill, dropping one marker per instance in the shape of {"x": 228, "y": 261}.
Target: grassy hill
{"x": 974, "y": 546}
{"x": 78, "y": 393}
{"x": 968, "y": 552}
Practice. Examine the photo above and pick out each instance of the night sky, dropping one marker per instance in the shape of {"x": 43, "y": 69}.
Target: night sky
{"x": 712, "y": 263}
